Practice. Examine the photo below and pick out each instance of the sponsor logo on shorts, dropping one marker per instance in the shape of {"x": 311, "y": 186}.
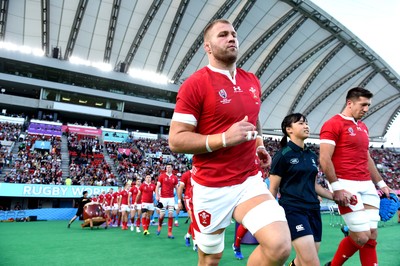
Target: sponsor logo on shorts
{"x": 299, "y": 227}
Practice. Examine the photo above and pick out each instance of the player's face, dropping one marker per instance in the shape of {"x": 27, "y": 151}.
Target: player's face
{"x": 148, "y": 179}
{"x": 222, "y": 43}
{"x": 169, "y": 169}
{"x": 359, "y": 107}
{"x": 138, "y": 182}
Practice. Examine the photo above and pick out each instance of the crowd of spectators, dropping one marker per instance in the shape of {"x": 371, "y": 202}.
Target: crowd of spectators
{"x": 140, "y": 157}
{"x": 35, "y": 166}
{"x": 10, "y": 131}
{"x": 388, "y": 164}
{"x": 87, "y": 163}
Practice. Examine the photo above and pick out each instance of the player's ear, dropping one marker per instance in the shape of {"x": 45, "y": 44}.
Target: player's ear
{"x": 207, "y": 47}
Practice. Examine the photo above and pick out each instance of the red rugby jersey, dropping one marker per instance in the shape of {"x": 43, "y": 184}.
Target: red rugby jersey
{"x": 216, "y": 102}
{"x": 351, "y": 141}
{"x": 168, "y": 184}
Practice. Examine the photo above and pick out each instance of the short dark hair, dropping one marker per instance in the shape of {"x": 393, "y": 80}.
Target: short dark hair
{"x": 84, "y": 192}
{"x": 287, "y": 122}
{"x": 357, "y": 92}
{"x": 211, "y": 24}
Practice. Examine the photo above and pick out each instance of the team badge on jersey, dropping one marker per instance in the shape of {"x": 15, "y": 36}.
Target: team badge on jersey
{"x": 222, "y": 93}
{"x": 253, "y": 91}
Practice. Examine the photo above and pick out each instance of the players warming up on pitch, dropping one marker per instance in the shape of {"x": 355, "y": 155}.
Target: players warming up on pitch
{"x": 347, "y": 164}
{"x": 116, "y": 214}
{"x": 108, "y": 205}
{"x": 166, "y": 184}
{"x": 135, "y": 206}
{"x": 123, "y": 205}
{"x": 293, "y": 174}
{"x": 146, "y": 192}
{"x": 216, "y": 119}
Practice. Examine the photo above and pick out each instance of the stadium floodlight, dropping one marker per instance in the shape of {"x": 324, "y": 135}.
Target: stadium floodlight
{"x": 78, "y": 61}
{"x": 149, "y": 76}
{"x": 25, "y": 49}
{"x": 8, "y": 46}
{"x": 22, "y": 49}
{"x": 102, "y": 66}
{"x": 37, "y": 52}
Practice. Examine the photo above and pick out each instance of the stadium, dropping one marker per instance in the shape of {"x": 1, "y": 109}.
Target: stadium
{"x": 95, "y": 83}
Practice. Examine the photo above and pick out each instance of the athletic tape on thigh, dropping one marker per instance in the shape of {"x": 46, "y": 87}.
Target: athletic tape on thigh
{"x": 171, "y": 209}
{"x": 263, "y": 214}
{"x": 210, "y": 243}
{"x": 374, "y": 217}
{"x": 357, "y": 221}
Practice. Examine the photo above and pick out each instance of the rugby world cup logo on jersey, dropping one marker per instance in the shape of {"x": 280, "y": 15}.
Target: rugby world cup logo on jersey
{"x": 222, "y": 93}
{"x": 351, "y": 131}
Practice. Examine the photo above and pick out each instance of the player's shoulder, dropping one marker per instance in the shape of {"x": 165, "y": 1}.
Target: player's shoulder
{"x": 200, "y": 74}
{"x": 242, "y": 72}
{"x": 333, "y": 123}
{"x": 336, "y": 118}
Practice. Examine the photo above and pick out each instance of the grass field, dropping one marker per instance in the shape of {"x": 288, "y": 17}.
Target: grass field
{"x": 51, "y": 243}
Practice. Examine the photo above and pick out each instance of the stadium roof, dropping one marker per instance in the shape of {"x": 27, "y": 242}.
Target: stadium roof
{"x": 305, "y": 60}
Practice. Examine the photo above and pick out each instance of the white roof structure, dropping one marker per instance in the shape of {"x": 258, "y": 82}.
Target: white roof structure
{"x": 305, "y": 60}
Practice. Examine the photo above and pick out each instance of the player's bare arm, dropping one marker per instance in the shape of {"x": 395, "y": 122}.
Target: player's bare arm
{"x": 180, "y": 194}
{"x": 158, "y": 191}
{"x": 340, "y": 196}
{"x": 376, "y": 177}
{"x": 262, "y": 153}
{"x": 183, "y": 139}
{"x": 138, "y": 196}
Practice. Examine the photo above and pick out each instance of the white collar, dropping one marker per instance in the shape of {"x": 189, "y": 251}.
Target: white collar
{"x": 224, "y": 72}
{"x": 349, "y": 118}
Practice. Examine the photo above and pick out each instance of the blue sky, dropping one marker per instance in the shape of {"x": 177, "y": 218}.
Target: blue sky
{"x": 376, "y": 23}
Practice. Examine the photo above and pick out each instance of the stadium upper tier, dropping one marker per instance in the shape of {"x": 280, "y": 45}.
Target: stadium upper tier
{"x": 305, "y": 60}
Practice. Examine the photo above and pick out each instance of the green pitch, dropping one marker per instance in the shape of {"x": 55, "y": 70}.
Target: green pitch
{"x": 51, "y": 243}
